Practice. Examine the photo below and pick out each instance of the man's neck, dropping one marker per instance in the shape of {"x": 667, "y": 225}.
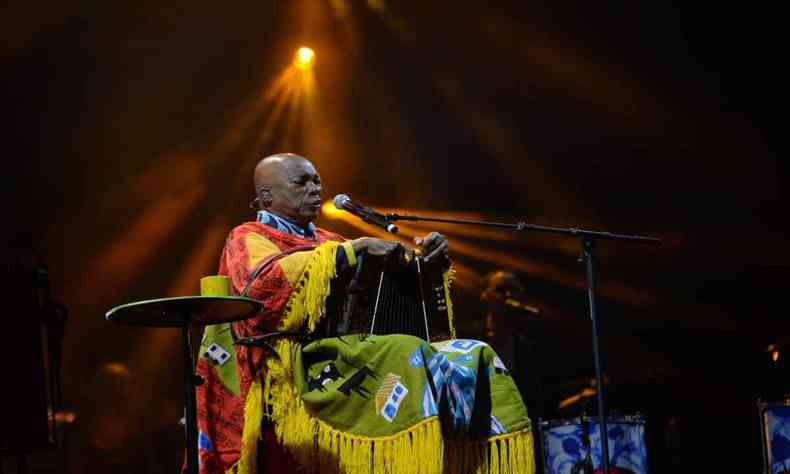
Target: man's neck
{"x": 286, "y": 225}
{"x": 290, "y": 221}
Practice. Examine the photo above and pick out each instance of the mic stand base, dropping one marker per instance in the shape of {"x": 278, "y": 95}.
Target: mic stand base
{"x": 589, "y": 260}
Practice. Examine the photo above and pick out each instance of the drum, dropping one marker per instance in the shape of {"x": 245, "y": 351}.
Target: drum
{"x": 566, "y": 446}
{"x": 775, "y": 425}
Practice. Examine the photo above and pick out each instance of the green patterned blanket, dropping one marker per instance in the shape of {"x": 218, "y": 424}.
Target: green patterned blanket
{"x": 398, "y": 404}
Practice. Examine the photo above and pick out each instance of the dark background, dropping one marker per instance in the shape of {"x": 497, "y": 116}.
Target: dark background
{"x": 132, "y": 129}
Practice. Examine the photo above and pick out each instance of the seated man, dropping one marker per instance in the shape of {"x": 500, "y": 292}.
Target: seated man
{"x": 350, "y": 403}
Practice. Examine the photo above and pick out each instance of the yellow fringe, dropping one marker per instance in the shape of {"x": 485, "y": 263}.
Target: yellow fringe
{"x": 253, "y": 415}
{"x": 308, "y": 299}
{"x": 320, "y": 448}
{"x": 511, "y": 453}
{"x": 449, "y": 276}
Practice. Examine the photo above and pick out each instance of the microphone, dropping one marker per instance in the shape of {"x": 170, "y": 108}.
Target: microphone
{"x": 367, "y": 214}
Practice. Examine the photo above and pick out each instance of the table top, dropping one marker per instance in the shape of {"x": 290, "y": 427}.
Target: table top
{"x": 183, "y": 310}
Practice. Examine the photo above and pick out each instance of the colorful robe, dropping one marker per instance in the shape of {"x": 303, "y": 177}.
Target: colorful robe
{"x": 228, "y": 370}
{"x": 444, "y": 407}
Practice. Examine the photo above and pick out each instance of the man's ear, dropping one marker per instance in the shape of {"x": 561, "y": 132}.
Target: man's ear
{"x": 264, "y": 196}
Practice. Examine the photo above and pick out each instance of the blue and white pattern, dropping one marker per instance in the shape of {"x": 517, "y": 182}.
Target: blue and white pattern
{"x": 564, "y": 447}
{"x": 390, "y": 408}
{"x": 463, "y": 346}
{"x": 204, "y": 442}
{"x": 463, "y": 359}
{"x": 416, "y": 360}
{"x": 777, "y": 426}
{"x": 497, "y": 428}
{"x": 456, "y": 383}
{"x": 284, "y": 225}
{"x": 429, "y": 407}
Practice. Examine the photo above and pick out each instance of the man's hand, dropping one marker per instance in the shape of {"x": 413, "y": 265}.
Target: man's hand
{"x": 376, "y": 247}
{"x": 434, "y": 245}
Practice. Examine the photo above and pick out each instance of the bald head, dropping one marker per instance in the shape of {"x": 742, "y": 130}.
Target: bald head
{"x": 288, "y": 185}
{"x": 269, "y": 169}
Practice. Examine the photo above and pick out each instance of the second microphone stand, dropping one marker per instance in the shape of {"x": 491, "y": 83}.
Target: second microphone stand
{"x": 588, "y": 238}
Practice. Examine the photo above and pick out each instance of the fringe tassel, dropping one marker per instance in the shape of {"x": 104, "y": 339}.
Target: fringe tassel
{"x": 308, "y": 299}
{"x": 511, "y": 453}
{"x": 449, "y": 276}
{"x": 253, "y": 415}
{"x": 417, "y": 450}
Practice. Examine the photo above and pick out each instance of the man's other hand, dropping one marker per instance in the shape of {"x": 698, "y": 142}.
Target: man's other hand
{"x": 434, "y": 245}
{"x": 376, "y": 247}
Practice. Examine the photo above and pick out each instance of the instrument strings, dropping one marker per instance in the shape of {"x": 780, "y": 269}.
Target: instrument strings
{"x": 399, "y": 309}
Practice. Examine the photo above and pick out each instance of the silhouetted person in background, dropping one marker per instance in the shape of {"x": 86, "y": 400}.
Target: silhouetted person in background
{"x": 508, "y": 328}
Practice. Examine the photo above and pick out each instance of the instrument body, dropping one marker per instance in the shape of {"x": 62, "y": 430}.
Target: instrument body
{"x": 566, "y": 449}
{"x": 405, "y": 296}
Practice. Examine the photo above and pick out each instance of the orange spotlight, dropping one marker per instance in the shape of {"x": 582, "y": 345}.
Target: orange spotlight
{"x": 305, "y": 57}
{"x": 116, "y": 368}
{"x": 329, "y": 210}
{"x": 63, "y": 417}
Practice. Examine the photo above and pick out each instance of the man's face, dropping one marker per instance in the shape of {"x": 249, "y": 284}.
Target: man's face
{"x": 296, "y": 192}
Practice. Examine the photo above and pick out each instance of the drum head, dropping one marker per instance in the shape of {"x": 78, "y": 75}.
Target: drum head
{"x": 567, "y": 442}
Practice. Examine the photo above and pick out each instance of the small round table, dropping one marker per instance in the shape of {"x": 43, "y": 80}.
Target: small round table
{"x": 184, "y": 312}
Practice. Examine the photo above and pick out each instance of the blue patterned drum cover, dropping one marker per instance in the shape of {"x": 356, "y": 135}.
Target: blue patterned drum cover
{"x": 776, "y": 426}
{"x": 564, "y": 448}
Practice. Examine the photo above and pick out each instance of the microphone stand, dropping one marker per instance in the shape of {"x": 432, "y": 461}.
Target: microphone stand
{"x": 588, "y": 238}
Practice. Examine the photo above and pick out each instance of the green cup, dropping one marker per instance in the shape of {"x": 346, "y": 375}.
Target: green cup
{"x": 215, "y": 285}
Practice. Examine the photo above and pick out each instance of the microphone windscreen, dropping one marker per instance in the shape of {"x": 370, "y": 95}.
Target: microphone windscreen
{"x": 341, "y": 200}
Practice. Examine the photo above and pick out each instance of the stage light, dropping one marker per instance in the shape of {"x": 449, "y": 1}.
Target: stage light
{"x": 305, "y": 57}
{"x": 329, "y": 210}
{"x": 63, "y": 417}
{"x": 775, "y": 356}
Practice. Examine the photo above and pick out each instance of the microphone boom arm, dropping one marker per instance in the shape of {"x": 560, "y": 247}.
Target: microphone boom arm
{"x": 520, "y": 226}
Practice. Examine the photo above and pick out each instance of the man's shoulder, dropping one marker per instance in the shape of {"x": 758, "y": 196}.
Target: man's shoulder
{"x": 324, "y": 235}
{"x": 248, "y": 227}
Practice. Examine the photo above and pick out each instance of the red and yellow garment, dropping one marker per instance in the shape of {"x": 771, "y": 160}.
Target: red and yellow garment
{"x": 284, "y": 264}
